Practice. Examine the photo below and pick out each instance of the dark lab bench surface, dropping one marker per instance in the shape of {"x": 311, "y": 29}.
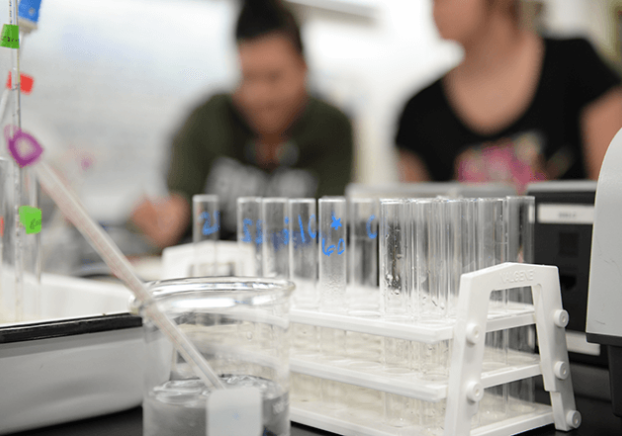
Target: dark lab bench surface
{"x": 598, "y": 420}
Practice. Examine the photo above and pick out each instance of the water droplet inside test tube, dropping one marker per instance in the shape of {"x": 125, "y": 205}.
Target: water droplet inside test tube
{"x": 205, "y": 234}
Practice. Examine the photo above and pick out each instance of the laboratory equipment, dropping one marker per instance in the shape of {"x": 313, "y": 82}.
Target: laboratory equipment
{"x": 275, "y": 239}
{"x": 73, "y": 210}
{"x": 604, "y": 323}
{"x": 448, "y": 406}
{"x": 564, "y": 217}
{"x": 303, "y": 253}
{"x": 249, "y": 237}
{"x": 333, "y": 258}
{"x": 72, "y": 363}
{"x": 395, "y": 260}
{"x": 430, "y": 266}
{"x": 205, "y": 234}
{"x": 240, "y": 327}
{"x": 362, "y": 293}
{"x": 22, "y": 270}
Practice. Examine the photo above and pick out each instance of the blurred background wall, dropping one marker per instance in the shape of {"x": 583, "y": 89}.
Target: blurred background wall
{"x": 115, "y": 78}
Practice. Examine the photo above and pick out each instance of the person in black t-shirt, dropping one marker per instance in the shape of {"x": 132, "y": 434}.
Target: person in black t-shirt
{"x": 518, "y": 108}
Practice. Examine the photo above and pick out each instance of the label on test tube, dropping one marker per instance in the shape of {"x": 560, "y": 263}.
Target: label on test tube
{"x": 234, "y": 412}
{"x": 30, "y": 217}
{"x": 10, "y": 36}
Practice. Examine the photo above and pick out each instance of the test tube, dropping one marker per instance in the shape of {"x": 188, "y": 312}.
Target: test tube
{"x": 520, "y": 216}
{"x": 395, "y": 260}
{"x": 469, "y": 235}
{"x": 205, "y": 234}
{"x": 456, "y": 231}
{"x": 332, "y": 254}
{"x": 492, "y": 250}
{"x": 249, "y": 237}
{"x": 363, "y": 293}
{"x": 431, "y": 259}
{"x": 395, "y": 282}
{"x": 275, "y": 251}
{"x": 303, "y": 257}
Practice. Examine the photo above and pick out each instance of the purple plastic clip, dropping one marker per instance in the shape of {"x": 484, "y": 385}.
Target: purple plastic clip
{"x": 23, "y": 147}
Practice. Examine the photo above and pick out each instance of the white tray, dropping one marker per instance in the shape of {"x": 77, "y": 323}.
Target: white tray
{"x": 80, "y": 360}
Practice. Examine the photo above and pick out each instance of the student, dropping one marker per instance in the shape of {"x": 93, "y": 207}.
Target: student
{"x": 518, "y": 108}
{"x": 268, "y": 138}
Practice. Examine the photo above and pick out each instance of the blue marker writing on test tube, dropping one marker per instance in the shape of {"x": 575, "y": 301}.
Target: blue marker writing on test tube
{"x": 332, "y": 260}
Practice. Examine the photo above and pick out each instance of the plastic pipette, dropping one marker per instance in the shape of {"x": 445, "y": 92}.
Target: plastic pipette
{"x": 71, "y": 207}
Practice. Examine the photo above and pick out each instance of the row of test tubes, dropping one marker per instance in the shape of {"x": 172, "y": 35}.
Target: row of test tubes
{"x": 399, "y": 260}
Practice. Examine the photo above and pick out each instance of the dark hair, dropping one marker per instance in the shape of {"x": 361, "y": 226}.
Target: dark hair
{"x": 262, "y": 17}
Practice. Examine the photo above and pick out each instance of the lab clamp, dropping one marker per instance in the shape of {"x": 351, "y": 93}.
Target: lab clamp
{"x": 459, "y": 395}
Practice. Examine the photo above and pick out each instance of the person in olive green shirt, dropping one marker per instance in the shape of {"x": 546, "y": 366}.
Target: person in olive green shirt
{"x": 268, "y": 138}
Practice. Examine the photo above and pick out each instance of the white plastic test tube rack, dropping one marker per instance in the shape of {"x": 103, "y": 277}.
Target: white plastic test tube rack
{"x": 460, "y": 394}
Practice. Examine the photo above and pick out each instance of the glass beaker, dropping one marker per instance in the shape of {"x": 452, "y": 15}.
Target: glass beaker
{"x": 241, "y": 328}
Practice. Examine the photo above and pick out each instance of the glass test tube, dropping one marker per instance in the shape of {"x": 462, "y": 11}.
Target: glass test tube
{"x": 395, "y": 281}
{"x": 249, "y": 237}
{"x": 303, "y": 258}
{"x": 363, "y": 294}
{"x": 332, "y": 254}
{"x": 431, "y": 258}
{"x": 432, "y": 242}
{"x": 469, "y": 235}
{"x": 520, "y": 216}
{"x": 455, "y": 233}
{"x": 332, "y": 282}
{"x": 395, "y": 260}
{"x": 492, "y": 250}
{"x": 275, "y": 251}
{"x": 205, "y": 234}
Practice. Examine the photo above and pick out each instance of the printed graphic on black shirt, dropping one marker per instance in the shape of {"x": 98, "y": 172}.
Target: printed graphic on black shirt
{"x": 230, "y": 179}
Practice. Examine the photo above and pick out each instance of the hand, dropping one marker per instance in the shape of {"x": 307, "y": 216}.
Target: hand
{"x": 163, "y": 221}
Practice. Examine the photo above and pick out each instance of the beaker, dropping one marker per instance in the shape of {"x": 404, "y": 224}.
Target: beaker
{"x": 241, "y": 328}
{"x": 250, "y": 237}
{"x": 205, "y": 234}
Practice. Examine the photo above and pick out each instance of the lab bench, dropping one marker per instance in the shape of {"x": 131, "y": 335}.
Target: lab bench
{"x": 598, "y": 420}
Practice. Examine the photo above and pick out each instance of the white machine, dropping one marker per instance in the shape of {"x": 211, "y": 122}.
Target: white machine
{"x": 604, "y": 306}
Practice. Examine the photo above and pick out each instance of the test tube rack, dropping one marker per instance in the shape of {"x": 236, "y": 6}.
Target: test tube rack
{"x": 463, "y": 390}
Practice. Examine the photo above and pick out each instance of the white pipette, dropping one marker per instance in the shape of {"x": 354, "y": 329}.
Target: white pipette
{"x": 71, "y": 207}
